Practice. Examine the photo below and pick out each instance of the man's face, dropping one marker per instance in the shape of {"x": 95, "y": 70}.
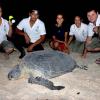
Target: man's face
{"x": 0, "y": 12}
{"x": 59, "y": 19}
{"x": 92, "y": 16}
{"x": 77, "y": 21}
{"x": 34, "y": 16}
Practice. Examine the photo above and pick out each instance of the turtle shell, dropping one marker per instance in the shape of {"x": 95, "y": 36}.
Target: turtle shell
{"x": 50, "y": 63}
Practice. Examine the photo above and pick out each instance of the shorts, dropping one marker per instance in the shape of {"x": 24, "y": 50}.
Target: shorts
{"x": 62, "y": 46}
{"x": 95, "y": 43}
{"x": 77, "y": 46}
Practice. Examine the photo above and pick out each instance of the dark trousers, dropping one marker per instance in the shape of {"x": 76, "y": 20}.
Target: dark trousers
{"x": 19, "y": 42}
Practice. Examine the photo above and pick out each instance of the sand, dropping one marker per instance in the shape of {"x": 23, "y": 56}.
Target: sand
{"x": 79, "y": 84}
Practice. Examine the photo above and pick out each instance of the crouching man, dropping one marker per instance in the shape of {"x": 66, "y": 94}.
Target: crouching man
{"x": 5, "y": 31}
{"x": 93, "y": 39}
{"x": 30, "y": 33}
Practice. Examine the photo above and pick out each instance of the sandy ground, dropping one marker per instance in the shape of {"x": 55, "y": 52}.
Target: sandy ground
{"x": 79, "y": 84}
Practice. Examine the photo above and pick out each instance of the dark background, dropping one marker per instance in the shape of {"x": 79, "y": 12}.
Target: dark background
{"x": 48, "y": 9}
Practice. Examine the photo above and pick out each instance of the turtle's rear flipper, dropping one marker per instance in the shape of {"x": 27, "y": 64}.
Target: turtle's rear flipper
{"x": 84, "y": 67}
{"x": 58, "y": 88}
{"x": 44, "y": 82}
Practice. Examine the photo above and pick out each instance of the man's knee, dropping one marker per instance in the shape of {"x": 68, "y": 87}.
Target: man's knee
{"x": 89, "y": 48}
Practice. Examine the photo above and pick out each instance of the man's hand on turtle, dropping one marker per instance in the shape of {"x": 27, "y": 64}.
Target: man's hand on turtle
{"x": 30, "y": 48}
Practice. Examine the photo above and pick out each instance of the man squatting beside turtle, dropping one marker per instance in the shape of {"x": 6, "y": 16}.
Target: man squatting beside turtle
{"x": 5, "y": 31}
{"x": 93, "y": 39}
{"x": 30, "y": 33}
{"x": 79, "y": 31}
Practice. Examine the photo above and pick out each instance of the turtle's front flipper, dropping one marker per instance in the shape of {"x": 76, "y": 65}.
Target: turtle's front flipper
{"x": 44, "y": 82}
{"x": 14, "y": 73}
{"x": 84, "y": 67}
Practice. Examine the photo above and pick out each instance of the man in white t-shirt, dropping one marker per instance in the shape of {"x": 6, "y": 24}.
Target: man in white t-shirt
{"x": 31, "y": 33}
{"x": 5, "y": 31}
{"x": 79, "y": 31}
{"x": 93, "y": 39}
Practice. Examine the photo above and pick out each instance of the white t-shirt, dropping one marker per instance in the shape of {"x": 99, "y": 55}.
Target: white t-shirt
{"x": 33, "y": 32}
{"x": 91, "y": 26}
{"x": 80, "y": 33}
{"x": 4, "y": 29}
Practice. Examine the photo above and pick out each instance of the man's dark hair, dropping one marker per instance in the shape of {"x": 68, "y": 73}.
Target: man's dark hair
{"x": 60, "y": 13}
{"x": 34, "y": 11}
{"x": 92, "y": 9}
{"x": 79, "y": 16}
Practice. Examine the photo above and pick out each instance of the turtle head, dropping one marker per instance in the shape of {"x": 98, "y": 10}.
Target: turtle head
{"x": 14, "y": 73}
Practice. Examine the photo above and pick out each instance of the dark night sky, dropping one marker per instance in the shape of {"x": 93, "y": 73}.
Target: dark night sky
{"x": 48, "y": 8}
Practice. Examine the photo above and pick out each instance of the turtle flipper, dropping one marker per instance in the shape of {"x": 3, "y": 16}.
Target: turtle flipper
{"x": 44, "y": 82}
{"x": 14, "y": 73}
{"x": 84, "y": 67}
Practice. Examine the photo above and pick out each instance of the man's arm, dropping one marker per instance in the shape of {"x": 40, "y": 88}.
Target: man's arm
{"x": 42, "y": 37}
{"x": 88, "y": 41}
{"x": 66, "y": 37}
{"x": 20, "y": 32}
{"x": 71, "y": 34}
{"x": 90, "y": 32}
{"x": 10, "y": 31}
{"x": 70, "y": 40}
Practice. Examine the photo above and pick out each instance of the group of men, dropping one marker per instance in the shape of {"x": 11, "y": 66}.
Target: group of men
{"x": 83, "y": 38}
{"x": 87, "y": 36}
{"x": 31, "y": 32}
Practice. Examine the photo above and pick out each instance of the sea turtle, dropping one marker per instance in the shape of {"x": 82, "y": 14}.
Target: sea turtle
{"x": 43, "y": 65}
